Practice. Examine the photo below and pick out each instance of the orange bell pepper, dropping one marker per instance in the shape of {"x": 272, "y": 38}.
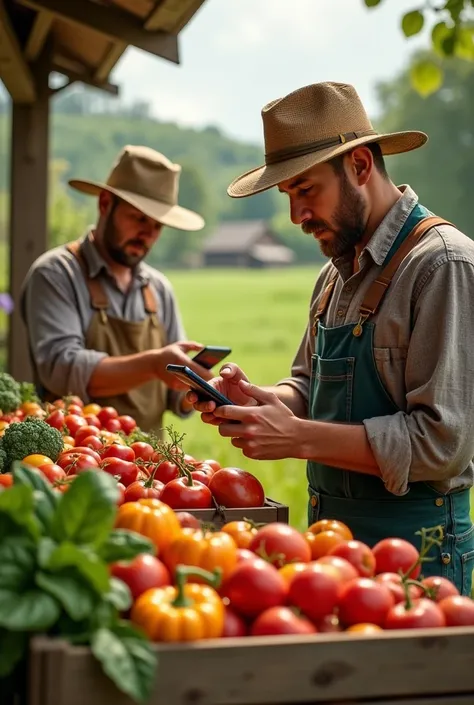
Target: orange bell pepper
{"x": 183, "y": 612}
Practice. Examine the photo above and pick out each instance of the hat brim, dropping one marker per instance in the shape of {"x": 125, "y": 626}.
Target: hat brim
{"x": 171, "y": 216}
{"x": 265, "y": 177}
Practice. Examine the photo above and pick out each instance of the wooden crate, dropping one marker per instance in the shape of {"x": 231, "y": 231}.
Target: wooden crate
{"x": 271, "y": 511}
{"x": 422, "y": 667}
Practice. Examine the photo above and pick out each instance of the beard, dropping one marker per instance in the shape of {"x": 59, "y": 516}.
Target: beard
{"x": 117, "y": 252}
{"x": 348, "y": 223}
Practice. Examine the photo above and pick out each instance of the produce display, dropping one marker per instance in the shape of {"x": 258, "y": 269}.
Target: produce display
{"x": 99, "y": 546}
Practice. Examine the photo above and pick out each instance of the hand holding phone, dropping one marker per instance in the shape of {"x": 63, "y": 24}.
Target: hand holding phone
{"x": 211, "y": 355}
{"x": 204, "y": 390}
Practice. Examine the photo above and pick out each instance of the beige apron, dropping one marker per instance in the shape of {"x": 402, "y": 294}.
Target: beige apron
{"x": 117, "y": 337}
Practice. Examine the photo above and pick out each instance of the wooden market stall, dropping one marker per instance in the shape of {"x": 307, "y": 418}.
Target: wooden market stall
{"x": 83, "y": 40}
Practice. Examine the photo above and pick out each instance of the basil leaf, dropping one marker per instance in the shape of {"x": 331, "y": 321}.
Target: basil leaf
{"x": 17, "y": 503}
{"x": 119, "y": 595}
{"x": 124, "y": 545}
{"x": 86, "y": 512}
{"x": 87, "y": 562}
{"x": 71, "y": 590}
{"x": 45, "y": 500}
{"x": 127, "y": 658}
{"x": 13, "y": 647}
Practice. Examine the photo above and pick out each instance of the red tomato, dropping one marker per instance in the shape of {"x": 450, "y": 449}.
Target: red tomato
{"x": 234, "y": 488}
{"x": 281, "y": 620}
{"x": 364, "y": 600}
{"x": 6, "y": 479}
{"x": 329, "y": 624}
{"x": 75, "y": 409}
{"x": 127, "y": 423}
{"x": 116, "y": 450}
{"x": 394, "y": 583}
{"x": 84, "y": 432}
{"x": 142, "y": 450}
{"x": 347, "y": 570}
{"x": 73, "y": 423}
{"x": 421, "y": 614}
{"x": 56, "y": 419}
{"x": 84, "y": 450}
{"x": 77, "y": 401}
{"x": 187, "y": 520}
{"x": 213, "y": 464}
{"x": 178, "y": 494}
{"x": 243, "y": 554}
{"x": 142, "y": 490}
{"x": 439, "y": 587}
{"x": 315, "y": 590}
{"x": 107, "y": 413}
{"x": 254, "y": 586}
{"x": 74, "y": 463}
{"x": 202, "y": 474}
{"x": 121, "y": 497}
{"x": 93, "y": 442}
{"x": 126, "y": 471}
{"x": 52, "y": 472}
{"x": 112, "y": 425}
{"x": 190, "y": 459}
{"x": 279, "y": 544}
{"x": 92, "y": 420}
{"x": 234, "y": 625}
{"x": 357, "y": 553}
{"x": 458, "y": 610}
{"x": 393, "y": 555}
{"x": 142, "y": 573}
{"x": 166, "y": 472}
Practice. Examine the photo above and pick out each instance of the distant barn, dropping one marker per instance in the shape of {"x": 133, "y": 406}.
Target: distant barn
{"x": 245, "y": 243}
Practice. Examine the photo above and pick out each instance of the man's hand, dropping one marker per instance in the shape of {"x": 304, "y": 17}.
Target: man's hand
{"x": 227, "y": 384}
{"x": 176, "y": 354}
{"x": 267, "y": 429}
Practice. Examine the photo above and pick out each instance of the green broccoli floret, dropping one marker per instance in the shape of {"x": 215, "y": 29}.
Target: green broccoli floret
{"x": 10, "y": 397}
{"x": 31, "y": 436}
{"x": 3, "y": 458}
{"x": 28, "y": 392}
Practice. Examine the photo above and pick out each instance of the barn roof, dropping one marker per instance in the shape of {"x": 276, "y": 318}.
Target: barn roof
{"x": 236, "y": 236}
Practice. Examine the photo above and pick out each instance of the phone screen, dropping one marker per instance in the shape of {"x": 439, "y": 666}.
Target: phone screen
{"x": 211, "y": 355}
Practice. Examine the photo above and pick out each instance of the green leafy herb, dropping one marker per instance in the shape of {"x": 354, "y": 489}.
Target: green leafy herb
{"x": 71, "y": 590}
{"x": 123, "y": 545}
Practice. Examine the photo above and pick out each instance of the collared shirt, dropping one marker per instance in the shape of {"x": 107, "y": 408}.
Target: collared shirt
{"x": 56, "y": 308}
{"x": 423, "y": 348}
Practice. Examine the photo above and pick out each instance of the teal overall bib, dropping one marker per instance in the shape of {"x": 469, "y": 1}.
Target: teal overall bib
{"x": 346, "y": 387}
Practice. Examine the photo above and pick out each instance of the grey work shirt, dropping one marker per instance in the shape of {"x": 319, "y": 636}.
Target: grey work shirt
{"x": 424, "y": 351}
{"x": 56, "y": 308}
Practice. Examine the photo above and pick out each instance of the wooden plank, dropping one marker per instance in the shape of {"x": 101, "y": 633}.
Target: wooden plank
{"x": 110, "y": 58}
{"x": 322, "y": 669}
{"x": 14, "y": 71}
{"x": 173, "y": 15}
{"x": 113, "y": 23}
{"x": 271, "y": 511}
{"x": 38, "y": 34}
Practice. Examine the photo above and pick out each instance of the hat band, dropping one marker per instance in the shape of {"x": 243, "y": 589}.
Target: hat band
{"x": 281, "y": 155}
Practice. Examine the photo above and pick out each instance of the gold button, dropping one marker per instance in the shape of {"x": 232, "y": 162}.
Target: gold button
{"x": 446, "y": 558}
{"x": 439, "y": 502}
{"x": 349, "y": 289}
{"x": 314, "y": 501}
{"x": 340, "y": 312}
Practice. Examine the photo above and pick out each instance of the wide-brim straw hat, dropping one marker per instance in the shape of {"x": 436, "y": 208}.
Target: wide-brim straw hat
{"x": 149, "y": 181}
{"x": 310, "y": 126}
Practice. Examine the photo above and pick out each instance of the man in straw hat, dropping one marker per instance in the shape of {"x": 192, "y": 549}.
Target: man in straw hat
{"x": 381, "y": 396}
{"x": 102, "y": 323}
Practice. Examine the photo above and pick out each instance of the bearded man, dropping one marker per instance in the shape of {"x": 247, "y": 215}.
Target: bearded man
{"x": 380, "y": 398}
{"x": 103, "y": 324}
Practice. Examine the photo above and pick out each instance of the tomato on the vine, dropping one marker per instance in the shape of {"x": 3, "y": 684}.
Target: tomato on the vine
{"x": 166, "y": 471}
{"x": 393, "y": 554}
{"x": 458, "y": 610}
{"x": 280, "y": 543}
{"x": 126, "y": 470}
{"x": 233, "y": 487}
{"x": 357, "y": 553}
{"x": 52, "y": 472}
{"x": 183, "y": 494}
{"x": 141, "y": 489}
{"x": 364, "y": 600}
{"x": 117, "y": 450}
{"x": 439, "y": 587}
{"x": 419, "y": 614}
{"x": 142, "y": 450}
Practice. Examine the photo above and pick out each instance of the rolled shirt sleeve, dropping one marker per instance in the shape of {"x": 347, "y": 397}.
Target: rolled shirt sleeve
{"x": 433, "y": 438}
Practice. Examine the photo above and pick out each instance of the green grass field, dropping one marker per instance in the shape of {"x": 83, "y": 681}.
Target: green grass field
{"x": 261, "y": 315}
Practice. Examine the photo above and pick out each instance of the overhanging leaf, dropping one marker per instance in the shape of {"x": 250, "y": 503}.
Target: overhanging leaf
{"x": 45, "y": 500}
{"x": 439, "y": 34}
{"x": 86, "y": 512}
{"x": 124, "y": 545}
{"x": 71, "y": 590}
{"x": 465, "y": 43}
{"x": 372, "y": 3}
{"x": 412, "y": 23}
{"x": 32, "y": 610}
{"x": 119, "y": 595}
{"x": 127, "y": 658}
{"x": 17, "y": 502}
{"x": 93, "y": 569}
{"x": 426, "y": 77}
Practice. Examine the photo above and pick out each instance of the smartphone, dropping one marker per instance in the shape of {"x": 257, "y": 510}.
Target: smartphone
{"x": 199, "y": 385}
{"x": 211, "y": 355}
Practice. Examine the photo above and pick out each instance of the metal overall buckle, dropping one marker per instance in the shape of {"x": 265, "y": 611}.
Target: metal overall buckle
{"x": 357, "y": 330}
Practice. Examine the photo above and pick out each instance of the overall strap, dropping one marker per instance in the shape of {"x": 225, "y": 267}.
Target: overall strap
{"x": 98, "y": 296}
{"x": 324, "y": 302}
{"x": 149, "y": 298}
{"x": 379, "y": 286}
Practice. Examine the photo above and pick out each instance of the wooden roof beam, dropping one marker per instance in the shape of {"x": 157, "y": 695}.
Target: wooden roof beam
{"x": 172, "y": 15}
{"x": 38, "y": 35}
{"x": 76, "y": 73}
{"x": 14, "y": 71}
{"x": 113, "y": 23}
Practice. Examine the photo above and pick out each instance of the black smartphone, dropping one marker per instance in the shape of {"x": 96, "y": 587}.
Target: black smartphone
{"x": 211, "y": 355}
{"x": 199, "y": 385}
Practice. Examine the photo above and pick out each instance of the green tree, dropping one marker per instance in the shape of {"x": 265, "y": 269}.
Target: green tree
{"x": 67, "y": 221}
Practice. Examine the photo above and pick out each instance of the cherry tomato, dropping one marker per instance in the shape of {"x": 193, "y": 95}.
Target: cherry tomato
{"x": 214, "y": 464}
{"x": 364, "y": 600}
{"x": 142, "y": 450}
{"x": 74, "y": 463}
{"x": 73, "y": 423}
{"x": 315, "y": 591}
{"x": 127, "y": 423}
{"x": 234, "y": 625}
{"x": 75, "y": 409}
{"x": 91, "y": 409}
{"x": 346, "y": 569}
{"x": 439, "y": 587}
{"x": 84, "y": 450}
{"x": 112, "y": 425}
{"x": 84, "y": 432}
{"x": 52, "y": 472}
{"x": 421, "y": 614}
{"x": 394, "y": 583}
{"x": 458, "y": 610}
{"x": 93, "y": 442}
{"x": 141, "y": 574}
{"x": 393, "y": 555}
{"x": 331, "y": 525}
{"x": 126, "y": 471}
{"x": 140, "y": 489}
{"x": 116, "y": 450}
{"x": 357, "y": 553}
{"x": 166, "y": 472}
{"x": 279, "y": 543}
{"x": 56, "y": 419}
{"x": 178, "y": 494}
{"x": 254, "y": 586}
{"x": 106, "y": 413}
{"x": 321, "y": 543}
{"x": 92, "y": 420}
{"x": 281, "y": 620}
{"x": 235, "y": 488}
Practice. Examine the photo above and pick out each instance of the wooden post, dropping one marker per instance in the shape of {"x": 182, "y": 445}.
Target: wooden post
{"x": 28, "y": 203}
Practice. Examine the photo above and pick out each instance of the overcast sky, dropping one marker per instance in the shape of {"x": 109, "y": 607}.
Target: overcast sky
{"x": 238, "y": 54}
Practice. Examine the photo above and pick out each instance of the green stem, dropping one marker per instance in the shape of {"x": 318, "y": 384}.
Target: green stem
{"x": 182, "y": 572}
{"x": 429, "y": 538}
{"x": 149, "y": 481}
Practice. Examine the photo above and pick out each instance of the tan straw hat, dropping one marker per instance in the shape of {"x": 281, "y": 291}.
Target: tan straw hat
{"x": 310, "y": 126}
{"x": 148, "y": 181}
